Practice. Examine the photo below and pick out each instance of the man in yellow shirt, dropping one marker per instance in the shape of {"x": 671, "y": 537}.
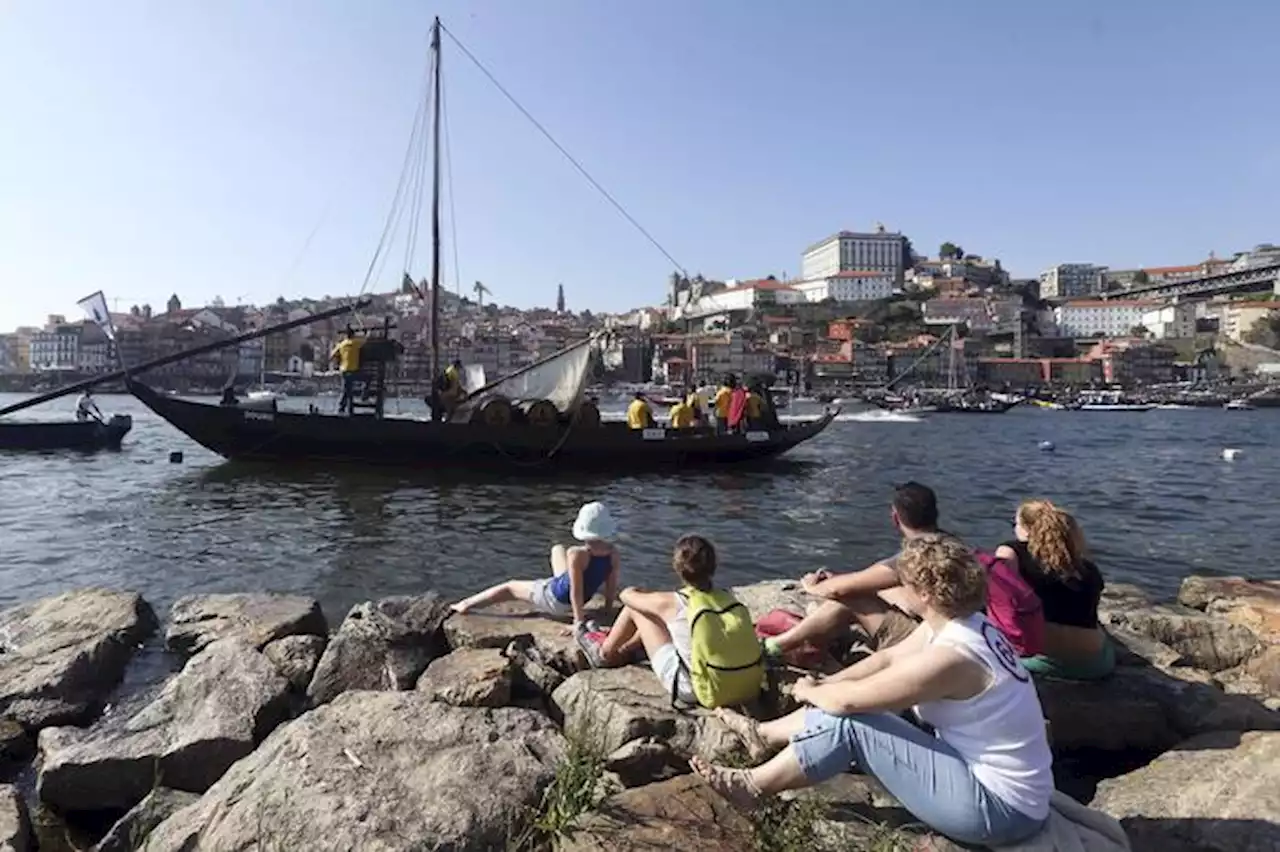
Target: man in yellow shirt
{"x": 723, "y": 395}
{"x": 755, "y": 406}
{"x": 346, "y": 354}
{"x": 682, "y": 416}
{"x": 697, "y": 403}
{"x": 638, "y": 414}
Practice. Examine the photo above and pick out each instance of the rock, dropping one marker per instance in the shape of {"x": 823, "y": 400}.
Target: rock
{"x": 15, "y": 828}
{"x": 378, "y": 772}
{"x": 52, "y": 832}
{"x": 471, "y": 677}
{"x": 129, "y": 831}
{"x": 681, "y": 813}
{"x": 1121, "y": 597}
{"x": 1252, "y": 603}
{"x": 258, "y": 618}
{"x": 499, "y": 626}
{"x": 1265, "y": 668}
{"x": 296, "y": 658}
{"x": 15, "y": 745}
{"x": 764, "y": 597}
{"x": 639, "y": 762}
{"x": 856, "y": 812}
{"x": 1208, "y": 643}
{"x": 383, "y": 644}
{"x": 222, "y": 703}
{"x": 1134, "y": 649}
{"x": 1145, "y": 709}
{"x": 617, "y": 706}
{"x": 1219, "y": 792}
{"x": 60, "y": 657}
{"x": 535, "y": 680}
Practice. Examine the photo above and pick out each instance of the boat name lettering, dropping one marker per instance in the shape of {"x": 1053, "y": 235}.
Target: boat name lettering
{"x": 654, "y": 434}
{"x": 757, "y": 437}
{"x": 260, "y": 415}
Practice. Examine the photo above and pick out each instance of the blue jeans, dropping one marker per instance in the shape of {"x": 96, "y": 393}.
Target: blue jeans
{"x": 920, "y": 770}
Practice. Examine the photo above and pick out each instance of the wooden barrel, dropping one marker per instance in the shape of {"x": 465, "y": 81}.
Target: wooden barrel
{"x": 496, "y": 411}
{"x": 588, "y": 414}
{"x": 539, "y": 413}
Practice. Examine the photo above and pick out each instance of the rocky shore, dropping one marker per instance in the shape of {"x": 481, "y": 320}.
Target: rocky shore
{"x": 405, "y": 729}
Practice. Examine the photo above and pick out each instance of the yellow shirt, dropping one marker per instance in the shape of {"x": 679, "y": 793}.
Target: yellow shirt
{"x": 681, "y": 416}
{"x": 347, "y": 354}
{"x": 755, "y": 405}
{"x": 638, "y": 414}
{"x": 451, "y": 376}
{"x": 696, "y": 401}
{"x": 722, "y": 403}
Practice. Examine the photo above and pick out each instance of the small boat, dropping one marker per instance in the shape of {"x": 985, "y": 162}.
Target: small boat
{"x": 1111, "y": 401}
{"x": 1240, "y": 405}
{"x": 64, "y": 434}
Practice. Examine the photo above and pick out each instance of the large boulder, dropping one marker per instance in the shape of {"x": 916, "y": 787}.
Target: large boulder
{"x": 60, "y": 657}
{"x": 222, "y": 703}
{"x": 764, "y": 597}
{"x": 498, "y": 626}
{"x": 852, "y": 812}
{"x": 378, "y": 772}
{"x": 258, "y": 618}
{"x": 296, "y": 657}
{"x": 615, "y": 707}
{"x": 681, "y": 813}
{"x": 1219, "y": 792}
{"x": 1146, "y": 710}
{"x": 15, "y": 744}
{"x": 160, "y": 804}
{"x": 381, "y": 645}
{"x": 471, "y": 677}
{"x": 1251, "y": 603}
{"x": 1202, "y": 641}
{"x": 15, "y": 828}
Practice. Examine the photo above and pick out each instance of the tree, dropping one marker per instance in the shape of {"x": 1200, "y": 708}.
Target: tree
{"x": 217, "y": 302}
{"x": 947, "y": 250}
{"x": 1141, "y": 277}
{"x": 1139, "y": 330}
{"x": 908, "y": 254}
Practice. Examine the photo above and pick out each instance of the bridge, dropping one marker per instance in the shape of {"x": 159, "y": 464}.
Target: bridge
{"x": 1257, "y": 278}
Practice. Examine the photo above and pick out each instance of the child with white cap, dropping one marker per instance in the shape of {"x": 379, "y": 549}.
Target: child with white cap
{"x": 577, "y": 573}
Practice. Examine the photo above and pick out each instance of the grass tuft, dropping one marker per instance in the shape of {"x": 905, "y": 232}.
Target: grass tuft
{"x": 574, "y": 791}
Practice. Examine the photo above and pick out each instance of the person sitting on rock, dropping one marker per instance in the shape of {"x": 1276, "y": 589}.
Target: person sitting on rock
{"x": 1048, "y": 550}
{"x": 871, "y": 598}
{"x": 985, "y": 778}
{"x": 656, "y": 622}
{"x": 577, "y": 573}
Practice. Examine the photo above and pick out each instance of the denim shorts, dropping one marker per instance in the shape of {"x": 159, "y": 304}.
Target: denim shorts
{"x": 542, "y": 598}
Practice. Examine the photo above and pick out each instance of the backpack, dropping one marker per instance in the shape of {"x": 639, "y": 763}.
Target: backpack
{"x": 726, "y": 663}
{"x": 1013, "y": 606}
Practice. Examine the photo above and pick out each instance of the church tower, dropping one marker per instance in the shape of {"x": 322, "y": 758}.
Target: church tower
{"x": 560, "y": 299}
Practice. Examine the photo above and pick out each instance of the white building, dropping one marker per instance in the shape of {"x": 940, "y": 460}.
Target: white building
{"x": 882, "y": 251}
{"x": 847, "y": 287}
{"x": 1172, "y": 321}
{"x": 56, "y": 348}
{"x": 1098, "y": 318}
{"x": 1072, "y": 280}
{"x": 739, "y": 296}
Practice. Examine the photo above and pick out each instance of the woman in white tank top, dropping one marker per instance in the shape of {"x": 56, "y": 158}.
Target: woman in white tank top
{"x": 984, "y": 778}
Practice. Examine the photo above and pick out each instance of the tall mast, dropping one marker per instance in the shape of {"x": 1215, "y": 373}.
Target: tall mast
{"x": 436, "y": 413}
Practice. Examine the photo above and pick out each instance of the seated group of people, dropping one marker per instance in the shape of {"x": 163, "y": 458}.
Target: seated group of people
{"x": 943, "y": 712}
{"x": 734, "y": 407}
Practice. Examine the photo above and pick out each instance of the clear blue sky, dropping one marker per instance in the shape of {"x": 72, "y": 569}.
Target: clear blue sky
{"x": 176, "y": 145}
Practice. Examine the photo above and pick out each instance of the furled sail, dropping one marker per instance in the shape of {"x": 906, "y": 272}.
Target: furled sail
{"x": 560, "y": 379}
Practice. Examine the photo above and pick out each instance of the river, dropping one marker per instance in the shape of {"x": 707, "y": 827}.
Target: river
{"x": 1156, "y": 499}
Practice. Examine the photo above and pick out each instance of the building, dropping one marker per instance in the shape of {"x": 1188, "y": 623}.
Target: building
{"x": 94, "y": 354}
{"x": 844, "y": 287}
{"x": 1072, "y": 280}
{"x": 1237, "y": 318}
{"x": 881, "y": 251}
{"x": 1172, "y": 321}
{"x": 740, "y": 298}
{"x": 56, "y": 347}
{"x": 982, "y": 316}
{"x": 1127, "y": 362}
{"x": 1098, "y": 318}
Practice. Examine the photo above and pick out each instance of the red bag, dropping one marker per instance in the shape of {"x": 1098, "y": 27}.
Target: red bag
{"x": 1013, "y": 606}
{"x": 779, "y": 621}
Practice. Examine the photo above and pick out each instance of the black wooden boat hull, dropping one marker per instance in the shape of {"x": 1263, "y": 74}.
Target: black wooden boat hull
{"x": 281, "y": 436}
{"x": 65, "y": 435}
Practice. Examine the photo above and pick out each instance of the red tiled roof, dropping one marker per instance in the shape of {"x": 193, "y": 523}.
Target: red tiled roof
{"x": 1111, "y": 303}
{"x": 762, "y": 284}
{"x": 1165, "y": 270}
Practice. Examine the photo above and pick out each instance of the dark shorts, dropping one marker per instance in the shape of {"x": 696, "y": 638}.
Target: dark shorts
{"x": 896, "y": 626}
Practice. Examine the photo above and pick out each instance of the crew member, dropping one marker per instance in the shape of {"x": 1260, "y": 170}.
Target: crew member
{"x": 86, "y": 408}
{"x": 755, "y": 407}
{"x": 346, "y": 354}
{"x": 723, "y": 397}
{"x": 639, "y": 416}
{"x": 697, "y": 403}
{"x": 682, "y": 416}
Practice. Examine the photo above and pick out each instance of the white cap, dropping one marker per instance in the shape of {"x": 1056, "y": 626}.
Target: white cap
{"x": 594, "y": 521}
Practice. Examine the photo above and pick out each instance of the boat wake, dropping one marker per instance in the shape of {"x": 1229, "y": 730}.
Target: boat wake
{"x": 875, "y": 416}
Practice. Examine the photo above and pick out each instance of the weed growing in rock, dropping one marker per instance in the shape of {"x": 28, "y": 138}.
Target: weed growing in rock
{"x": 573, "y": 791}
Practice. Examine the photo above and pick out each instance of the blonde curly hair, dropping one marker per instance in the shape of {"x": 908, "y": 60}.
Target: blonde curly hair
{"x": 943, "y": 570}
{"x": 1054, "y": 538}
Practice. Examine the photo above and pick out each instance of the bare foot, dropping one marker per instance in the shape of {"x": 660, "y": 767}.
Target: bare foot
{"x": 460, "y": 608}
{"x": 747, "y": 730}
{"x": 734, "y": 784}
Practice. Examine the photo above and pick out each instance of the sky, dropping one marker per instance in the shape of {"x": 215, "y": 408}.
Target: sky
{"x": 249, "y": 150}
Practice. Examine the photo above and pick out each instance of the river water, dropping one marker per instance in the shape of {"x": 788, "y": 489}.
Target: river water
{"x": 1155, "y": 496}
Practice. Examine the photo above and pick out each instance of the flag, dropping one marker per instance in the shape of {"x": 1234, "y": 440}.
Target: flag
{"x": 96, "y": 307}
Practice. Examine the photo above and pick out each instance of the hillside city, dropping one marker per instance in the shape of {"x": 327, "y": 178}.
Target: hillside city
{"x": 865, "y": 309}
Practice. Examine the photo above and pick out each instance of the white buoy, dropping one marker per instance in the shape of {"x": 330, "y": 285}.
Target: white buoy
{"x": 1230, "y": 453}
{"x": 1046, "y": 446}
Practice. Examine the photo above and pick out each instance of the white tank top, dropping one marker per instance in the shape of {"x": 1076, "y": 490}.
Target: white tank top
{"x": 678, "y": 627}
{"x": 1000, "y": 731}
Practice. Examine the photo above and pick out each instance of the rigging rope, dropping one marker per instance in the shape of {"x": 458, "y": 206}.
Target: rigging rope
{"x": 419, "y": 179}
{"x": 581, "y": 169}
{"x": 448, "y": 171}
